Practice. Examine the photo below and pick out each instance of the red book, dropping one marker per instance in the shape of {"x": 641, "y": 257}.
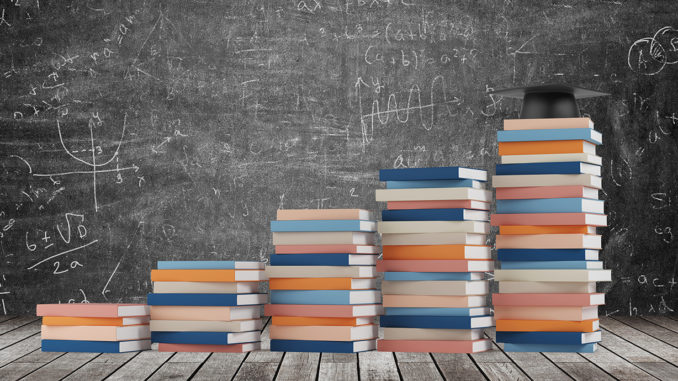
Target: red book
{"x": 442, "y": 346}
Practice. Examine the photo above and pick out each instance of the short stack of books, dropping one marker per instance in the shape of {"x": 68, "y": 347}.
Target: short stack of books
{"x": 435, "y": 257}
{"x": 206, "y": 306}
{"x": 322, "y": 281}
{"x": 547, "y": 212}
{"x": 94, "y": 327}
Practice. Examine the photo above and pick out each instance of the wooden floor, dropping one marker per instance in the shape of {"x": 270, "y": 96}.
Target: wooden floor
{"x": 632, "y": 349}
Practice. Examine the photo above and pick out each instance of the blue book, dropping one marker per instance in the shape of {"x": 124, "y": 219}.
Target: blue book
{"x": 560, "y": 168}
{"x": 215, "y": 338}
{"x": 323, "y": 226}
{"x": 405, "y": 275}
{"x": 328, "y": 297}
{"x": 551, "y": 205}
{"x": 433, "y": 184}
{"x": 436, "y": 173}
{"x": 552, "y": 265}
{"x": 580, "y": 348}
{"x": 210, "y": 265}
{"x": 322, "y": 346}
{"x": 436, "y": 311}
{"x": 323, "y": 260}
{"x": 569, "y": 338}
{"x": 434, "y": 215}
{"x": 223, "y": 300}
{"x": 439, "y": 322}
{"x": 95, "y": 346}
{"x": 527, "y": 255}
{"x": 588, "y": 134}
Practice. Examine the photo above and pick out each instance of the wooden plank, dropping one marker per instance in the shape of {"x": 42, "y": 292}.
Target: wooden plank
{"x": 584, "y": 371}
{"x": 61, "y": 367}
{"x": 457, "y": 366}
{"x": 4, "y": 318}
{"x": 625, "y": 349}
{"x": 419, "y": 371}
{"x": 12, "y": 324}
{"x": 19, "y": 333}
{"x": 663, "y": 321}
{"x": 101, "y": 367}
{"x": 663, "y": 371}
{"x": 616, "y": 365}
{"x": 502, "y": 371}
{"x": 220, "y": 365}
{"x": 180, "y": 366}
{"x": 338, "y": 366}
{"x": 642, "y": 340}
{"x": 377, "y": 366}
{"x": 257, "y": 371}
{"x": 412, "y": 357}
{"x": 299, "y": 366}
{"x": 265, "y": 355}
{"x": 19, "y": 349}
{"x": 38, "y": 356}
{"x": 495, "y": 355}
{"x": 658, "y": 332}
{"x": 14, "y": 371}
{"x": 141, "y": 366}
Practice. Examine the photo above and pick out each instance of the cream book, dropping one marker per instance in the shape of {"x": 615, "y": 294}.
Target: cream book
{"x": 95, "y": 333}
{"x": 503, "y": 181}
{"x": 552, "y": 158}
{"x": 443, "y": 287}
{"x": 518, "y": 287}
{"x": 324, "y": 214}
{"x": 395, "y": 227}
{"x": 548, "y": 241}
{"x": 553, "y": 275}
{"x": 206, "y": 326}
{"x": 324, "y": 333}
{"x": 433, "y": 239}
{"x": 205, "y": 287}
{"x": 546, "y": 123}
{"x": 323, "y": 238}
{"x": 208, "y": 313}
{"x": 432, "y": 334}
{"x": 427, "y": 194}
{"x": 545, "y": 313}
{"x": 321, "y": 271}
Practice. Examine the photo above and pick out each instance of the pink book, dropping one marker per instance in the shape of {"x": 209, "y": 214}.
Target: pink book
{"x": 95, "y": 333}
{"x": 92, "y": 310}
{"x": 324, "y": 333}
{"x": 232, "y": 348}
{"x": 439, "y": 204}
{"x": 440, "y": 301}
{"x": 548, "y": 123}
{"x": 316, "y": 249}
{"x": 435, "y": 265}
{"x": 324, "y": 214}
{"x": 565, "y": 191}
{"x": 548, "y": 241}
{"x": 442, "y": 346}
{"x": 538, "y": 300}
{"x": 316, "y": 310}
{"x": 550, "y": 219}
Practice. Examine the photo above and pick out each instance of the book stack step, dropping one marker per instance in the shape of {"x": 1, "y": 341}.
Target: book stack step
{"x": 435, "y": 258}
{"x": 206, "y": 306}
{"x": 322, "y": 281}
{"x": 548, "y": 211}
{"x": 94, "y": 327}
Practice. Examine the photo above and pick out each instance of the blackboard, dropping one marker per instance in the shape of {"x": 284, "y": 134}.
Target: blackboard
{"x": 134, "y": 131}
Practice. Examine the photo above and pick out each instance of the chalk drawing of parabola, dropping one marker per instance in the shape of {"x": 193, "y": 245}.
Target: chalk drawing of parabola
{"x": 667, "y": 37}
{"x": 645, "y": 57}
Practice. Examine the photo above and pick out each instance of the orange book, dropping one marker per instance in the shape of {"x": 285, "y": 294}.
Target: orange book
{"x": 547, "y": 229}
{"x": 322, "y": 283}
{"x": 94, "y": 321}
{"x": 436, "y": 252}
{"x": 321, "y": 321}
{"x": 548, "y": 325}
{"x": 208, "y": 275}
{"x": 545, "y": 147}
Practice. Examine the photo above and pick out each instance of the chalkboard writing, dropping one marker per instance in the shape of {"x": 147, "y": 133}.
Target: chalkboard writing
{"x": 138, "y": 131}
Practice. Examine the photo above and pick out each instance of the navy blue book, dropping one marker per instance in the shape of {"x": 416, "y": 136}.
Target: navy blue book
{"x": 95, "y": 346}
{"x": 322, "y": 346}
{"x": 439, "y": 322}
{"x": 578, "y": 348}
{"x": 323, "y": 260}
{"x": 569, "y": 338}
{"x": 223, "y": 300}
{"x": 436, "y": 173}
{"x": 558, "y": 168}
{"x": 526, "y": 255}
{"x": 215, "y": 338}
{"x": 434, "y": 215}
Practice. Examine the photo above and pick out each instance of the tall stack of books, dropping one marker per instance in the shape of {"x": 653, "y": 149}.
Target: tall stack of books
{"x": 547, "y": 212}
{"x": 322, "y": 280}
{"x": 434, "y": 260}
{"x": 206, "y": 306}
{"x": 94, "y": 327}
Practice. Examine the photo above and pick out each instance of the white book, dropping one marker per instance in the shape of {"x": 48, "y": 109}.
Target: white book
{"x": 321, "y": 271}
{"x": 545, "y": 313}
{"x": 161, "y": 287}
{"x": 503, "y": 181}
{"x": 433, "y": 239}
{"x": 395, "y": 227}
{"x": 134, "y": 345}
{"x": 323, "y": 238}
{"x": 552, "y": 158}
{"x": 553, "y": 275}
{"x": 323, "y": 214}
{"x": 324, "y": 333}
{"x": 443, "y": 287}
{"x": 206, "y": 326}
{"x": 428, "y": 194}
{"x": 393, "y": 333}
{"x": 518, "y": 287}
{"x": 548, "y": 241}
{"x": 362, "y": 260}
{"x": 243, "y": 337}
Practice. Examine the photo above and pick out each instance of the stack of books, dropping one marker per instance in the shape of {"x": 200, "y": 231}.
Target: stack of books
{"x": 548, "y": 249}
{"x": 206, "y": 306}
{"x": 94, "y": 327}
{"x": 434, "y": 260}
{"x": 322, "y": 280}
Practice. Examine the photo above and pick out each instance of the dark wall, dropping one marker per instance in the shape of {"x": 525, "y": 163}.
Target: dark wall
{"x": 134, "y": 131}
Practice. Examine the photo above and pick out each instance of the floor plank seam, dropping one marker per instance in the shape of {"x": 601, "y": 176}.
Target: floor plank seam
{"x": 649, "y": 334}
{"x": 277, "y": 369}
{"x": 658, "y": 325}
{"x": 509, "y": 357}
{"x": 200, "y": 366}
{"x": 395, "y": 358}
{"x": 240, "y": 366}
{"x": 317, "y": 369}
{"x": 437, "y": 367}
{"x": 160, "y": 366}
{"x": 75, "y": 370}
{"x": 478, "y": 367}
{"x": 635, "y": 345}
{"x": 599, "y": 367}
{"x": 121, "y": 365}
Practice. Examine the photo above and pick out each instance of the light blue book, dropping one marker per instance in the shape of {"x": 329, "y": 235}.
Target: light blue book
{"x": 210, "y": 265}
{"x": 436, "y": 311}
{"x": 323, "y": 226}
{"x": 551, "y": 205}
{"x": 588, "y": 134}
{"x": 392, "y": 275}
{"x": 555, "y": 265}
{"x": 333, "y": 297}
{"x": 395, "y": 184}
{"x": 580, "y": 348}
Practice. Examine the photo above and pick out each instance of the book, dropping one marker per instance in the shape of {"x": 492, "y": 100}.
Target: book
{"x": 92, "y": 310}
{"x": 208, "y": 275}
{"x": 552, "y": 158}
{"x": 434, "y": 215}
{"x": 324, "y": 333}
{"x": 95, "y": 321}
{"x": 205, "y": 337}
{"x": 95, "y": 333}
{"x": 323, "y": 226}
{"x": 548, "y": 241}
{"x": 551, "y": 219}
{"x": 207, "y": 265}
{"x": 321, "y": 271}
{"x": 433, "y": 239}
{"x": 205, "y": 299}
{"x": 509, "y": 255}
{"x": 432, "y": 276}
{"x": 570, "y": 338}
{"x": 443, "y": 301}
{"x": 435, "y": 184}
{"x": 322, "y": 346}
{"x": 437, "y": 311}
{"x": 331, "y": 249}
{"x": 545, "y": 313}
{"x": 434, "y": 265}
{"x": 440, "y": 287}
{"x": 435, "y": 346}
{"x": 205, "y": 313}
{"x": 547, "y": 123}
{"x": 435, "y": 173}
{"x": 325, "y": 297}
{"x": 555, "y": 168}
{"x": 162, "y": 287}
{"x": 551, "y": 205}
{"x": 215, "y": 348}
{"x": 321, "y": 321}
{"x": 512, "y": 181}
{"x": 546, "y": 229}
{"x": 431, "y": 334}
{"x": 95, "y": 346}
{"x": 552, "y": 134}
{"x": 427, "y": 227}
{"x": 322, "y": 238}
{"x": 438, "y": 204}
{"x": 563, "y": 191}
{"x": 546, "y": 147}
{"x": 323, "y": 310}
{"x": 554, "y": 265}
{"x": 206, "y": 326}
{"x": 437, "y": 322}
{"x": 436, "y": 252}
{"x": 548, "y": 325}
{"x": 513, "y": 287}
{"x": 433, "y": 194}
{"x": 554, "y": 275}
{"x": 580, "y": 348}
{"x": 322, "y": 260}
{"x": 323, "y": 214}
{"x": 322, "y": 283}
{"x": 540, "y": 299}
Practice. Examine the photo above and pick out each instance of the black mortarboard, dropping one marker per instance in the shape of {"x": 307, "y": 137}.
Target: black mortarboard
{"x": 549, "y": 101}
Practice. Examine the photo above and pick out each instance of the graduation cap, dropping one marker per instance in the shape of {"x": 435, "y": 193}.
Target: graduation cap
{"x": 549, "y": 101}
